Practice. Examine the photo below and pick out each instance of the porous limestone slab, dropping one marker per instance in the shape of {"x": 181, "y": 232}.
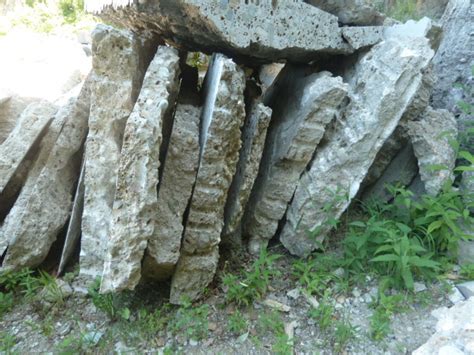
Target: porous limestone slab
{"x": 364, "y": 36}
{"x": 45, "y": 206}
{"x": 302, "y": 109}
{"x": 222, "y": 117}
{"x": 134, "y": 208}
{"x": 31, "y": 125}
{"x": 432, "y": 137}
{"x": 253, "y": 142}
{"x": 266, "y": 31}
{"x": 379, "y": 97}
{"x": 119, "y": 62}
{"x": 179, "y": 175}
{"x": 357, "y": 12}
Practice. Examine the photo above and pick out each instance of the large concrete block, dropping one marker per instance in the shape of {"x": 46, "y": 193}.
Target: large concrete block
{"x": 265, "y": 31}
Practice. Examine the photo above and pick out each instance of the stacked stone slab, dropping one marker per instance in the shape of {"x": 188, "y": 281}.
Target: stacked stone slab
{"x": 253, "y": 137}
{"x": 223, "y": 115}
{"x": 325, "y": 191}
{"x": 119, "y": 62}
{"x": 136, "y": 201}
{"x": 263, "y": 30}
{"x": 44, "y": 207}
{"x": 176, "y": 185}
{"x": 302, "y": 109}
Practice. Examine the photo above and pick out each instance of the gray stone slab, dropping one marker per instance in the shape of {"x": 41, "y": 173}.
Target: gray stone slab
{"x": 135, "y": 202}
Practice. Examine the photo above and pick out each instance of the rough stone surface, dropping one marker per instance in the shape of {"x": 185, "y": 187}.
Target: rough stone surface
{"x": 179, "y": 175}
{"x": 73, "y": 233}
{"x": 264, "y": 30}
{"x": 453, "y": 64}
{"x": 119, "y": 60}
{"x": 134, "y": 208}
{"x": 431, "y": 138}
{"x": 454, "y": 331}
{"x": 32, "y": 124}
{"x": 10, "y": 111}
{"x": 357, "y": 12}
{"x": 365, "y": 36}
{"x": 401, "y": 170}
{"x": 467, "y": 189}
{"x": 223, "y": 115}
{"x": 47, "y": 207}
{"x": 424, "y": 28}
{"x": 253, "y": 136}
{"x": 303, "y": 107}
{"x": 340, "y": 165}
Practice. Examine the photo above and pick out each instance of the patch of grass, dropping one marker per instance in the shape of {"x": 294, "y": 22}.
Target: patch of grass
{"x": 271, "y": 322}
{"x": 6, "y": 302}
{"x": 109, "y": 303}
{"x": 384, "y": 308}
{"x": 467, "y": 272}
{"x": 324, "y": 313}
{"x": 237, "y": 323}
{"x": 252, "y": 284}
{"x": 344, "y": 333}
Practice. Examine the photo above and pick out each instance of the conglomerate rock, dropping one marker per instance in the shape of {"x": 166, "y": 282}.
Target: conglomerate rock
{"x": 136, "y": 201}
{"x": 253, "y": 142}
{"x": 266, "y": 31}
{"x": 379, "y": 98}
{"x": 223, "y": 115}
{"x": 43, "y": 206}
{"x": 432, "y": 137}
{"x": 302, "y": 108}
{"x": 119, "y": 63}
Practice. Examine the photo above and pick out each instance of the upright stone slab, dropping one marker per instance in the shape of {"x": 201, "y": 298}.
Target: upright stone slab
{"x": 32, "y": 124}
{"x": 43, "y": 211}
{"x": 431, "y": 137}
{"x": 453, "y": 64}
{"x": 176, "y": 186}
{"x": 263, "y": 30}
{"x": 302, "y": 108}
{"x": 385, "y": 81}
{"x": 119, "y": 60}
{"x": 223, "y": 115}
{"x": 134, "y": 210}
{"x": 254, "y": 134}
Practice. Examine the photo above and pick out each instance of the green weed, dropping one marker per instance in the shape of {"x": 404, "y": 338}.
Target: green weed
{"x": 237, "y": 323}
{"x": 7, "y": 342}
{"x": 343, "y": 334}
{"x": 271, "y": 322}
{"x": 324, "y": 313}
{"x": 252, "y": 284}
{"x": 191, "y": 321}
{"x": 467, "y": 271}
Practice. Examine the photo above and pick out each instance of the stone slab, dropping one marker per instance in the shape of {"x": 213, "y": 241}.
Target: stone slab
{"x": 378, "y": 101}
{"x": 302, "y": 109}
{"x": 222, "y": 117}
{"x": 136, "y": 201}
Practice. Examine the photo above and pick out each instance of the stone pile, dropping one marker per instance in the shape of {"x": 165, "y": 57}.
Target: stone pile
{"x": 146, "y": 175}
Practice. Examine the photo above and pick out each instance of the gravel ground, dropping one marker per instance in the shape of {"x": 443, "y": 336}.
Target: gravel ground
{"x": 38, "y": 326}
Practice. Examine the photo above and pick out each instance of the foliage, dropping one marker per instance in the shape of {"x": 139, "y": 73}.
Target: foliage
{"x": 316, "y": 273}
{"x": 384, "y": 308}
{"x": 108, "y": 303}
{"x": 343, "y": 334}
{"x": 324, "y": 313}
{"x": 271, "y": 322}
{"x": 237, "y": 323}
{"x": 408, "y": 237}
{"x": 467, "y": 271}
{"x": 252, "y": 284}
{"x": 403, "y": 10}
{"x": 6, "y": 302}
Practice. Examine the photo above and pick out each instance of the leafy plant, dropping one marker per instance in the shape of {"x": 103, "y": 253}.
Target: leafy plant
{"x": 324, "y": 313}
{"x": 6, "y": 302}
{"x": 344, "y": 333}
{"x": 271, "y": 322}
{"x": 237, "y": 323}
{"x": 252, "y": 284}
{"x": 7, "y": 342}
{"x": 467, "y": 271}
{"x": 384, "y": 308}
{"x": 107, "y": 303}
